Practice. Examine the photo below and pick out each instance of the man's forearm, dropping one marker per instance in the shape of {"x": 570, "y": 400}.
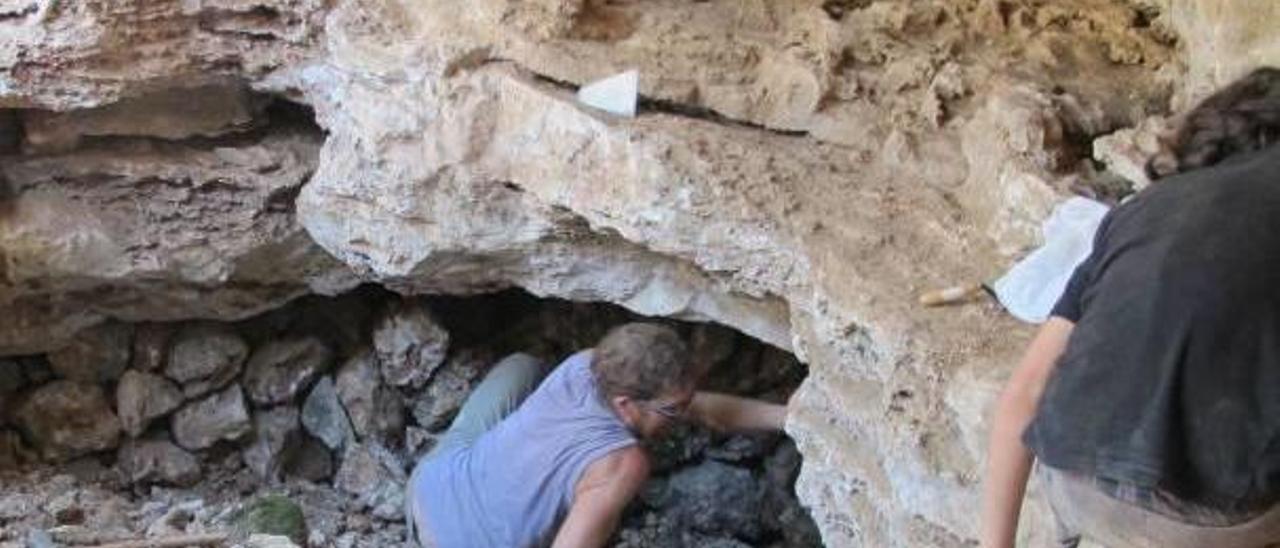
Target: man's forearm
{"x": 1008, "y": 466}
{"x": 731, "y": 413}
{"x": 1008, "y": 460}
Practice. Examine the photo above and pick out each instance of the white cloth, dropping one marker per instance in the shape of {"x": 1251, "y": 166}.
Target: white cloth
{"x": 1031, "y": 288}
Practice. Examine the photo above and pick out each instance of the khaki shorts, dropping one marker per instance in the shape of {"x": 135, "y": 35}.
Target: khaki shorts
{"x": 1082, "y": 509}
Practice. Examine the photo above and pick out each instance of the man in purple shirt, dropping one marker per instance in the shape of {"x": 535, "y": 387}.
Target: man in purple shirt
{"x": 532, "y": 462}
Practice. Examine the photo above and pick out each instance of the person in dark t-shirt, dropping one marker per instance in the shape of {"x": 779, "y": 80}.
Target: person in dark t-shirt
{"x": 1151, "y": 397}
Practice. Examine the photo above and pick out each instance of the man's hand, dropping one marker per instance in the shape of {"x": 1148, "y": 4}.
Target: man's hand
{"x": 603, "y": 491}
{"x": 723, "y": 413}
{"x": 1008, "y": 460}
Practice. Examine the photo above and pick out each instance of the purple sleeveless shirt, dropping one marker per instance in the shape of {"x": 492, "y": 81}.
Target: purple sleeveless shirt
{"x": 514, "y": 486}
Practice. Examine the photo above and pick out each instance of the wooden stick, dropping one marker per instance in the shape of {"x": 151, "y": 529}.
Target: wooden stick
{"x": 173, "y": 541}
{"x": 950, "y": 295}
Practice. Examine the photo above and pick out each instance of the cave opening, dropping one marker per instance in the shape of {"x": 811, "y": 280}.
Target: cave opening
{"x": 140, "y": 430}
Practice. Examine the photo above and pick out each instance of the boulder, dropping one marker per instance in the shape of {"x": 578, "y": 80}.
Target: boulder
{"x": 312, "y": 461}
{"x": 375, "y": 409}
{"x": 716, "y": 498}
{"x": 157, "y": 461}
{"x": 324, "y": 418}
{"x": 744, "y": 449}
{"x": 782, "y": 511}
{"x": 96, "y": 355}
{"x": 151, "y": 345}
{"x": 269, "y": 541}
{"x": 205, "y": 357}
{"x": 218, "y": 417}
{"x": 448, "y": 390}
{"x": 66, "y": 419}
{"x": 144, "y": 397}
{"x": 280, "y": 370}
{"x": 375, "y": 477}
{"x": 272, "y": 514}
{"x": 276, "y": 435}
{"x": 410, "y": 344}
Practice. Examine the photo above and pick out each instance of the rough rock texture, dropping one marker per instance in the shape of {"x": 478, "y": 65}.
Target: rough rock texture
{"x": 96, "y": 355}
{"x": 143, "y": 397}
{"x": 436, "y": 406}
{"x": 312, "y": 461}
{"x": 281, "y": 370}
{"x": 374, "y": 409}
{"x": 277, "y": 435}
{"x": 218, "y": 417}
{"x": 205, "y": 357}
{"x": 324, "y": 417}
{"x": 375, "y": 477}
{"x": 1220, "y": 42}
{"x": 148, "y": 228}
{"x": 800, "y": 170}
{"x": 168, "y": 114}
{"x": 717, "y": 498}
{"x": 158, "y": 461}
{"x": 66, "y": 419}
{"x": 410, "y": 344}
{"x": 151, "y": 345}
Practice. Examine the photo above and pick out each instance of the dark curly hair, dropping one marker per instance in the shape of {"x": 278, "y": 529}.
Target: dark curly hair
{"x": 1240, "y": 118}
{"x": 641, "y": 361}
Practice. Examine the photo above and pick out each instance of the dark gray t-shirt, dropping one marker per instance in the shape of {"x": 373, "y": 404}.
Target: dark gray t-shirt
{"x": 1171, "y": 378}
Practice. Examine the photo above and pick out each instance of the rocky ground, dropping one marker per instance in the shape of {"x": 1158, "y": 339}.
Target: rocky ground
{"x": 303, "y": 422}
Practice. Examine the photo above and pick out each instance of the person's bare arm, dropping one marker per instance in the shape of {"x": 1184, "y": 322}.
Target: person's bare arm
{"x": 723, "y": 412}
{"x": 1008, "y": 460}
{"x": 602, "y": 493}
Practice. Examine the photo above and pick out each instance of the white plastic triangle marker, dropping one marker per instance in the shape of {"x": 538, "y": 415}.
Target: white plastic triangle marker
{"x": 616, "y": 94}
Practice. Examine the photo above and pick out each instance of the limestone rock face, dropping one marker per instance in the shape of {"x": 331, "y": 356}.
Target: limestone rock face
{"x": 1222, "y": 42}
{"x": 168, "y": 114}
{"x": 798, "y": 170}
{"x": 67, "y": 419}
{"x": 143, "y": 228}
